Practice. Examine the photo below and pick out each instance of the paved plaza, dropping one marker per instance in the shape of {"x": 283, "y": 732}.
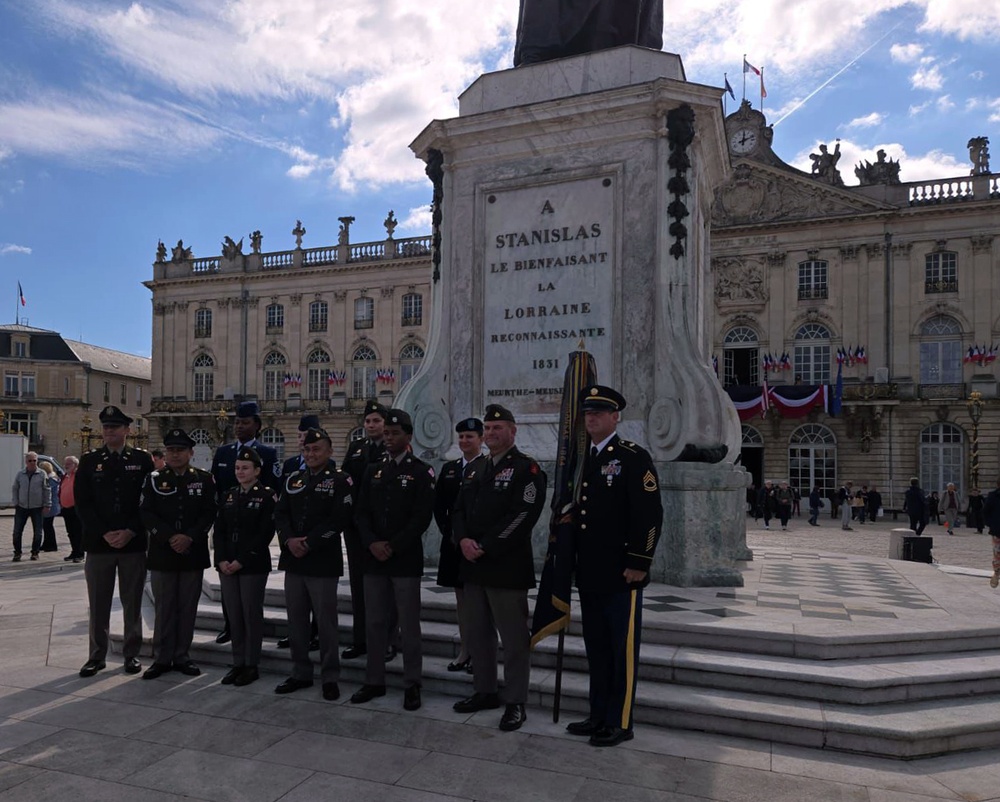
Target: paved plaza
{"x": 119, "y": 737}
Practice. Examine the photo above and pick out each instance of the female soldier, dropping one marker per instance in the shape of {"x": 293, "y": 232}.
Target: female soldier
{"x": 243, "y": 533}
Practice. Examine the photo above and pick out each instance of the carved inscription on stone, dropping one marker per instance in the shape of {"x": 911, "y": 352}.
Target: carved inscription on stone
{"x": 548, "y": 284}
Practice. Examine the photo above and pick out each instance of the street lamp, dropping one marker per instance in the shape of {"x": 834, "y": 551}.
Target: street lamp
{"x": 975, "y": 404}
{"x": 222, "y": 423}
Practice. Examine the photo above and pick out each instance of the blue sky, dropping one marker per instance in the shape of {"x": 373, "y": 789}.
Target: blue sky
{"x": 122, "y": 123}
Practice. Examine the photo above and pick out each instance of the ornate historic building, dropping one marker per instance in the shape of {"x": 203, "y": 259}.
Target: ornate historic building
{"x": 313, "y": 330}
{"x": 903, "y": 276}
{"x": 53, "y": 388}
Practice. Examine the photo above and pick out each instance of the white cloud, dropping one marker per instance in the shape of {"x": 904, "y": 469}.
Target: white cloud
{"x": 966, "y": 19}
{"x": 935, "y": 164}
{"x": 977, "y": 75}
{"x": 9, "y": 248}
{"x": 906, "y": 54}
{"x": 927, "y": 76}
{"x": 419, "y": 219}
{"x": 921, "y": 107}
{"x": 868, "y": 121}
{"x": 945, "y": 103}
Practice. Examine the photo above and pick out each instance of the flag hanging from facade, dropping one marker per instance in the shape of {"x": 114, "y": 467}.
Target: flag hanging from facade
{"x": 838, "y": 393}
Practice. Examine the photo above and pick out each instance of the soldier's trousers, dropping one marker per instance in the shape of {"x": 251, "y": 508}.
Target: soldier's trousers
{"x": 612, "y": 630}
{"x": 486, "y": 611}
{"x": 175, "y": 601}
{"x": 243, "y": 599}
{"x": 385, "y": 595}
{"x": 318, "y": 593}
{"x": 100, "y": 571}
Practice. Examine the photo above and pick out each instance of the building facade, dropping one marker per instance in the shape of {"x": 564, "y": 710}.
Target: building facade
{"x": 53, "y": 389}
{"x": 307, "y": 330}
{"x": 901, "y": 279}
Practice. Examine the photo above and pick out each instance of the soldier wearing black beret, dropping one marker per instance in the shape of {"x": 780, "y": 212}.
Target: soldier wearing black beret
{"x": 107, "y": 489}
{"x": 496, "y": 510}
{"x": 453, "y": 474}
{"x": 618, "y": 524}
{"x": 244, "y": 529}
{"x": 395, "y": 507}
{"x": 314, "y": 507}
{"x": 178, "y": 508}
{"x": 360, "y": 454}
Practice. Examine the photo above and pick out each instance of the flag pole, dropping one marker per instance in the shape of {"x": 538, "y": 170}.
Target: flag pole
{"x": 744, "y": 76}
{"x": 725, "y": 108}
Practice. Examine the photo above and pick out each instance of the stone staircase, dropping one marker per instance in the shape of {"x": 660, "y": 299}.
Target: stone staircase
{"x": 915, "y": 692}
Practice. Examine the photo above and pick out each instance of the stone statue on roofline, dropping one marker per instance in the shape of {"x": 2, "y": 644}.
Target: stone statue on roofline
{"x": 883, "y": 171}
{"x": 824, "y": 165}
{"x": 551, "y": 29}
{"x": 979, "y": 154}
{"x": 230, "y": 249}
{"x": 161, "y": 251}
{"x": 298, "y": 232}
{"x": 255, "y": 240}
{"x": 181, "y": 254}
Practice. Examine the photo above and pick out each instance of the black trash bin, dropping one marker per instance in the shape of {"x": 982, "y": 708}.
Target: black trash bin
{"x": 918, "y": 549}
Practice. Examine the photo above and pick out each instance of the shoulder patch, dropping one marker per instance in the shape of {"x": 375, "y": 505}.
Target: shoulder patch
{"x": 534, "y": 468}
{"x": 649, "y": 482}
{"x": 530, "y": 493}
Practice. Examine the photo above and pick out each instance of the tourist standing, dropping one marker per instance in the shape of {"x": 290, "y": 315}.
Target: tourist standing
{"x": 916, "y": 505}
{"x": 67, "y": 503}
{"x": 815, "y": 502}
{"x": 783, "y": 500}
{"x": 32, "y": 497}
{"x": 48, "y": 518}
{"x": 845, "y": 497}
{"x": 974, "y": 511}
{"x": 765, "y": 503}
{"x": 950, "y": 505}
{"x": 874, "y": 503}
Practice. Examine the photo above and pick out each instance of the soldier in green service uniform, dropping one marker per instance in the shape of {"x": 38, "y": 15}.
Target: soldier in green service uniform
{"x": 618, "y": 524}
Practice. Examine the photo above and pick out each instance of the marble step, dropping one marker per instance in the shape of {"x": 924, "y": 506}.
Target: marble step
{"x": 870, "y": 681}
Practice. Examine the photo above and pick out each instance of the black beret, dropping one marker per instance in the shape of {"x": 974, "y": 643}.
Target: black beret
{"x": 114, "y": 416}
{"x": 497, "y": 412}
{"x": 470, "y": 425}
{"x": 374, "y": 406}
{"x": 314, "y": 435}
{"x": 597, "y": 396}
{"x": 249, "y": 454}
{"x": 307, "y": 422}
{"x": 248, "y": 409}
{"x": 399, "y": 417}
{"x": 178, "y": 437}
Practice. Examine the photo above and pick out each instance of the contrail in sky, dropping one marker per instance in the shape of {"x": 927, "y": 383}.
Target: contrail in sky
{"x": 839, "y": 72}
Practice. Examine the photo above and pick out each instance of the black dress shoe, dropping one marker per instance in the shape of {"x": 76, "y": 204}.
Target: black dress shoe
{"x": 156, "y": 670}
{"x": 223, "y": 637}
{"x": 91, "y": 667}
{"x": 17, "y": 558}
{"x": 477, "y": 702}
{"x": 460, "y": 666}
{"x": 247, "y": 675}
{"x": 189, "y": 668}
{"x": 390, "y": 653}
{"x": 34, "y": 555}
{"x": 282, "y": 643}
{"x": 585, "y": 727}
{"x": 411, "y": 698}
{"x": 331, "y": 691}
{"x": 232, "y": 674}
{"x": 313, "y": 644}
{"x": 69, "y": 558}
{"x": 133, "y": 666}
{"x": 353, "y": 652}
{"x": 291, "y": 685}
{"x": 513, "y": 717}
{"x": 610, "y": 736}
{"x": 366, "y": 693}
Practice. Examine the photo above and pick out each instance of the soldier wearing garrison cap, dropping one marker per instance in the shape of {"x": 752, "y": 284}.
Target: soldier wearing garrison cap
{"x": 496, "y": 509}
{"x": 453, "y": 474}
{"x": 395, "y": 507}
{"x": 178, "y": 508}
{"x": 314, "y": 507}
{"x": 360, "y": 454}
{"x": 618, "y": 521}
{"x": 107, "y": 489}
{"x": 246, "y": 428}
{"x": 244, "y": 529}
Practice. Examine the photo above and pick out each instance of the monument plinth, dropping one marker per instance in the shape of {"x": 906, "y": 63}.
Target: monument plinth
{"x": 573, "y": 205}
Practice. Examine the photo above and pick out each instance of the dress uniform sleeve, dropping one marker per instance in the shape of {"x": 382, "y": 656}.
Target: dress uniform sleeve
{"x": 645, "y": 513}
{"x": 420, "y": 514}
{"x": 327, "y": 531}
{"x": 83, "y": 494}
{"x": 160, "y": 531}
{"x": 219, "y": 532}
{"x": 207, "y": 506}
{"x": 509, "y": 530}
{"x": 270, "y": 469}
{"x": 442, "y": 507}
{"x": 363, "y": 520}
{"x": 261, "y": 534}
{"x": 283, "y": 516}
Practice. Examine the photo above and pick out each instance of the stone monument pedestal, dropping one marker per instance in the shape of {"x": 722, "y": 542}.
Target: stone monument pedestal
{"x": 572, "y": 204}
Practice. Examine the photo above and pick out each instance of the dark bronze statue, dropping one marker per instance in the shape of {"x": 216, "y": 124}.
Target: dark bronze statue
{"x": 551, "y": 29}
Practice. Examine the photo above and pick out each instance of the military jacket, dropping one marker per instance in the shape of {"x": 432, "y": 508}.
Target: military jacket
{"x": 449, "y": 484}
{"x": 360, "y": 454}
{"x": 396, "y": 504}
{"x": 178, "y": 504}
{"x": 107, "y": 490}
{"x": 244, "y": 528}
{"x": 497, "y": 507}
{"x": 316, "y": 506}
{"x": 224, "y": 466}
{"x": 619, "y": 516}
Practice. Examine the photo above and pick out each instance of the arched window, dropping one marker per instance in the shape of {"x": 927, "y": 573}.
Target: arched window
{"x": 318, "y": 374}
{"x": 363, "y": 373}
{"x": 364, "y": 313}
{"x": 203, "y": 323}
{"x": 941, "y": 351}
{"x": 812, "y": 459}
{"x": 741, "y": 357}
{"x": 274, "y": 437}
{"x": 752, "y": 437}
{"x": 274, "y": 318}
{"x": 410, "y": 357}
{"x": 812, "y": 354}
{"x": 318, "y": 316}
{"x": 201, "y": 437}
{"x": 413, "y": 309}
{"x": 941, "y": 457}
{"x": 275, "y": 370}
{"x": 204, "y": 377}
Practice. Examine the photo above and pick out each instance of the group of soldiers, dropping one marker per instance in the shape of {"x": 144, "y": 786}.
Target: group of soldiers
{"x": 381, "y": 502}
